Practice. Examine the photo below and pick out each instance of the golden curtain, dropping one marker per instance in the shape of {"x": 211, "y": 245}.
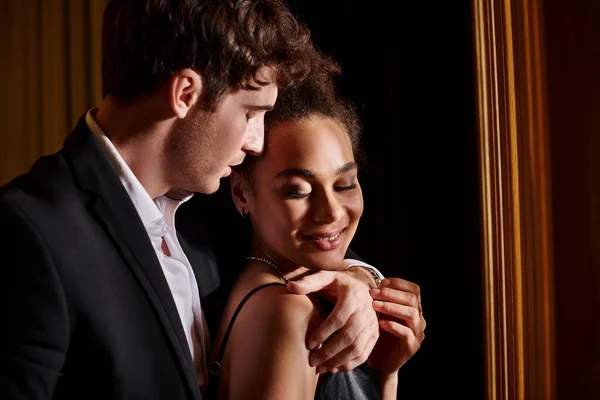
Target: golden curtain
{"x": 49, "y": 75}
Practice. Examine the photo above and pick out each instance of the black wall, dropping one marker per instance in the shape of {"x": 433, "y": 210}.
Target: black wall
{"x": 409, "y": 68}
{"x": 410, "y": 71}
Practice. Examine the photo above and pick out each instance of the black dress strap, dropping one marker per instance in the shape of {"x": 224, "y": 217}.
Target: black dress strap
{"x": 215, "y": 366}
{"x": 360, "y": 383}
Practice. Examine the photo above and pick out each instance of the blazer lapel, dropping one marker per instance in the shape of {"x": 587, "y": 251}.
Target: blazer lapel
{"x": 117, "y": 214}
{"x": 203, "y": 263}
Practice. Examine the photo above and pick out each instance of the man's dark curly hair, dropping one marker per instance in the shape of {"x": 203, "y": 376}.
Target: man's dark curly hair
{"x": 145, "y": 42}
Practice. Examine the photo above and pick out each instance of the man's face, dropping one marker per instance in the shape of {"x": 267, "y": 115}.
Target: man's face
{"x": 205, "y": 145}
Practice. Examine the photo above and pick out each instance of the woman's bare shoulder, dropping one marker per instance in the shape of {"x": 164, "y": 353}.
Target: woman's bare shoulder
{"x": 267, "y": 350}
{"x": 272, "y": 304}
{"x": 275, "y": 306}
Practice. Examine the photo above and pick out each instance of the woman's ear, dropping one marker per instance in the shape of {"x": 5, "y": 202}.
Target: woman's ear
{"x": 240, "y": 193}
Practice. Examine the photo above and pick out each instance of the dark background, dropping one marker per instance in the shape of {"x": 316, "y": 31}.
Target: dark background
{"x": 410, "y": 72}
{"x": 572, "y": 36}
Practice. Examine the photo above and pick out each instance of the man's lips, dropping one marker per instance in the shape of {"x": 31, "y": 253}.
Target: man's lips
{"x": 237, "y": 162}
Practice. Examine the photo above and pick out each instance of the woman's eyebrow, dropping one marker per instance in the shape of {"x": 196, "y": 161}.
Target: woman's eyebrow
{"x": 306, "y": 173}
{"x": 302, "y": 173}
{"x": 347, "y": 167}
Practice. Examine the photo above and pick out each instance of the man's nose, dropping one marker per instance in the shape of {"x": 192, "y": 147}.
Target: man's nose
{"x": 255, "y": 140}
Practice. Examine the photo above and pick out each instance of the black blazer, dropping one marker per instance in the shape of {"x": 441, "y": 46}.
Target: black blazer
{"x": 86, "y": 311}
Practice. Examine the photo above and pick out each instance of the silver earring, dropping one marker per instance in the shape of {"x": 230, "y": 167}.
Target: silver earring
{"x": 242, "y": 213}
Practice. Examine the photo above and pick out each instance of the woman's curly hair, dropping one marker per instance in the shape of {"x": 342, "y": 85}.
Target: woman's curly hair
{"x": 315, "y": 96}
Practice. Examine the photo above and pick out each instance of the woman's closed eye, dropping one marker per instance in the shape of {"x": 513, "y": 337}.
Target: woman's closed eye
{"x": 345, "y": 184}
{"x": 299, "y": 194}
{"x": 345, "y": 188}
{"x": 296, "y": 195}
{"x": 296, "y": 192}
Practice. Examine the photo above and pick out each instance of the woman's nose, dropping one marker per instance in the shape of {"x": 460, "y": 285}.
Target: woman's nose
{"x": 327, "y": 208}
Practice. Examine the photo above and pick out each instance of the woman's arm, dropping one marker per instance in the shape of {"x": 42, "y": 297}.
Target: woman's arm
{"x": 389, "y": 387}
{"x": 402, "y": 330}
{"x": 266, "y": 355}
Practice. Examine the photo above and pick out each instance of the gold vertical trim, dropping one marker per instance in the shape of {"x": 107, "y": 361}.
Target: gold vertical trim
{"x": 96, "y": 9}
{"x": 515, "y": 186}
{"x": 45, "y": 46}
{"x": 514, "y": 199}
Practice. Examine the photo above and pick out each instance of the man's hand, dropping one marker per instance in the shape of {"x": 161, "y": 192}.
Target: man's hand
{"x": 401, "y": 320}
{"x": 349, "y": 333}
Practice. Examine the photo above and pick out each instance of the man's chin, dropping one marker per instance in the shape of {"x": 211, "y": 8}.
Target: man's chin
{"x": 208, "y": 187}
{"x": 226, "y": 172}
{"x": 213, "y": 188}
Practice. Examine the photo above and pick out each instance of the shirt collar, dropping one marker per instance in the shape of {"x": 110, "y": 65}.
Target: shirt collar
{"x": 150, "y": 214}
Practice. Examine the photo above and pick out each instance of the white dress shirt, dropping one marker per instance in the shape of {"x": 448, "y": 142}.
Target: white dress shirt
{"x": 158, "y": 217}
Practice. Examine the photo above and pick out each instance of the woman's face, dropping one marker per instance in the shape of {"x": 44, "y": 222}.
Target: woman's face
{"x": 305, "y": 200}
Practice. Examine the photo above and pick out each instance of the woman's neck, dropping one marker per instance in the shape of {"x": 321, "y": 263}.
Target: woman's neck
{"x": 286, "y": 267}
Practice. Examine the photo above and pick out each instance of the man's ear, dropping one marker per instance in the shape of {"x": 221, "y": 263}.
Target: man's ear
{"x": 185, "y": 89}
{"x": 240, "y": 192}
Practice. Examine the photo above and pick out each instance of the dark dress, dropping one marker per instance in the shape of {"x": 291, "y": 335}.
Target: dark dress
{"x": 358, "y": 384}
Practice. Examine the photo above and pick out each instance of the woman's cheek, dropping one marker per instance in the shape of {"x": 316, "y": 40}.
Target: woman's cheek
{"x": 355, "y": 205}
{"x": 296, "y": 214}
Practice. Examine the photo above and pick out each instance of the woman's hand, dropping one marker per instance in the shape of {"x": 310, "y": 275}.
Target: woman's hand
{"x": 401, "y": 323}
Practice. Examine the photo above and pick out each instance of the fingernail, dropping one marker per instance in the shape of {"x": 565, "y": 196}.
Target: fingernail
{"x": 384, "y": 282}
{"x": 333, "y": 371}
{"x": 321, "y": 369}
{"x": 375, "y": 292}
{"x": 312, "y": 345}
{"x": 377, "y": 304}
{"x": 293, "y": 287}
{"x": 313, "y": 361}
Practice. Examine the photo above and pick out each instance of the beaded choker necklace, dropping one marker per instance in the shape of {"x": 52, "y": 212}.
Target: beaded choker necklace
{"x": 272, "y": 264}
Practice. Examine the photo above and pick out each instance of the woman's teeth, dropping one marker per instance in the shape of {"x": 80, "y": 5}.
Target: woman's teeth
{"x": 327, "y": 239}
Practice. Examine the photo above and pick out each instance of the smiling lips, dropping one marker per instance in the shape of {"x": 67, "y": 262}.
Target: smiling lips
{"x": 326, "y": 241}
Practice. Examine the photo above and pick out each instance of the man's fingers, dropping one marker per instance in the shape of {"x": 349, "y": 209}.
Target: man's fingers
{"x": 349, "y": 365}
{"x": 311, "y": 283}
{"x": 336, "y": 351}
{"x": 351, "y": 356}
{"x": 344, "y": 361}
{"x": 338, "y": 319}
